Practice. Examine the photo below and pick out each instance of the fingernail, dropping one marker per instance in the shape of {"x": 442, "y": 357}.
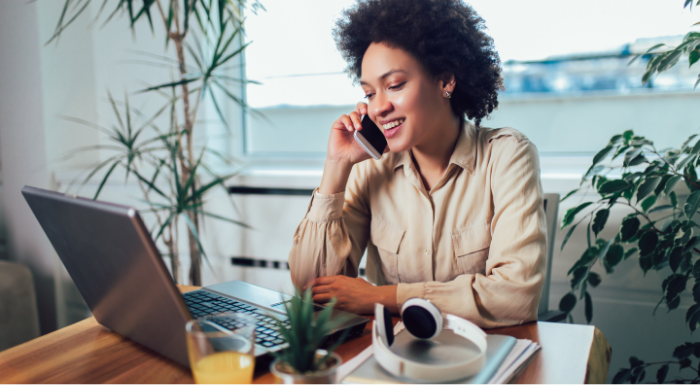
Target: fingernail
{"x": 358, "y": 125}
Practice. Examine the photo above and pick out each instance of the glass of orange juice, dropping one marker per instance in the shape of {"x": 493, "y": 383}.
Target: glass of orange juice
{"x": 222, "y": 348}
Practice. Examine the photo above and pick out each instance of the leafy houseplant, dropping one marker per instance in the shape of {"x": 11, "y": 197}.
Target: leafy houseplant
{"x": 303, "y": 361}
{"x": 659, "y": 233}
{"x": 164, "y": 160}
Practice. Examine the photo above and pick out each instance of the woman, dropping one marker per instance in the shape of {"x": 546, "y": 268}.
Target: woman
{"x": 454, "y": 212}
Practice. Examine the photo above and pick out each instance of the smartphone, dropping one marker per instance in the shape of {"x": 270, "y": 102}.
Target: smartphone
{"x": 371, "y": 138}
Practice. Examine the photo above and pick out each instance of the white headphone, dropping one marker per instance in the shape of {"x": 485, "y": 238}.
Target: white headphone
{"x": 424, "y": 320}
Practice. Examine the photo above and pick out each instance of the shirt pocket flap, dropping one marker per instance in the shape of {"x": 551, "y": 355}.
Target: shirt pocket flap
{"x": 386, "y": 236}
{"x": 471, "y": 239}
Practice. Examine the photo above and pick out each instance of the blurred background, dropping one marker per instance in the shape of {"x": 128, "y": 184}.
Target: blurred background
{"x": 569, "y": 88}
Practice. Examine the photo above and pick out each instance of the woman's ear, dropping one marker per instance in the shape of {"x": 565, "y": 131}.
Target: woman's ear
{"x": 447, "y": 83}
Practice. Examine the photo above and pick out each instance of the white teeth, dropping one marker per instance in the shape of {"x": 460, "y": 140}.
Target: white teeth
{"x": 393, "y": 124}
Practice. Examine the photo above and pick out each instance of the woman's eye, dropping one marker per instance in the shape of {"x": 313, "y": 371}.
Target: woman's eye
{"x": 368, "y": 96}
{"x": 396, "y": 87}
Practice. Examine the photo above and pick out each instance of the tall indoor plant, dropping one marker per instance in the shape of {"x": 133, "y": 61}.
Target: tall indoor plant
{"x": 206, "y": 36}
{"x": 660, "y": 232}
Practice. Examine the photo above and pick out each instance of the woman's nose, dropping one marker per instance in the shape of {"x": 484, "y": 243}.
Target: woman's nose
{"x": 382, "y": 104}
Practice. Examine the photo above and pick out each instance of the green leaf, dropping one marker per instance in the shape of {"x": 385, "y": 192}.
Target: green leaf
{"x": 104, "y": 179}
{"x": 631, "y": 154}
{"x": 671, "y": 184}
{"x": 613, "y": 186}
{"x": 645, "y": 262}
{"x": 601, "y": 155}
{"x": 647, "y": 187}
{"x": 629, "y": 193}
{"x": 693, "y": 57}
{"x": 686, "y": 263}
{"x": 568, "y": 235}
{"x": 621, "y": 376}
{"x": 660, "y": 187}
{"x": 674, "y": 259}
{"x": 614, "y": 256}
{"x": 661, "y": 374}
{"x": 620, "y": 151}
{"x": 629, "y": 228}
{"x": 589, "y": 255}
{"x": 687, "y": 142}
{"x": 683, "y": 235}
{"x": 629, "y": 253}
{"x": 694, "y": 321}
{"x": 696, "y": 292}
{"x": 675, "y": 286}
{"x": 670, "y": 59}
{"x": 571, "y": 214}
{"x": 696, "y": 270}
{"x": 691, "y": 204}
{"x": 164, "y": 226}
{"x": 684, "y": 351}
{"x": 567, "y": 303}
{"x": 168, "y": 85}
{"x": 648, "y": 202}
{"x": 589, "y": 308}
{"x": 639, "y": 159}
{"x": 599, "y": 221}
{"x": 578, "y": 276}
{"x": 648, "y": 242}
{"x": 616, "y": 139}
{"x": 594, "y": 279}
{"x": 674, "y": 199}
{"x": 652, "y": 65}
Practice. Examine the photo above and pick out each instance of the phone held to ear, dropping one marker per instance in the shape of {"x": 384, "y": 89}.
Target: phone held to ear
{"x": 371, "y": 139}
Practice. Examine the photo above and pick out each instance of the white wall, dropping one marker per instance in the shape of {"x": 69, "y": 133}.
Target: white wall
{"x": 23, "y": 150}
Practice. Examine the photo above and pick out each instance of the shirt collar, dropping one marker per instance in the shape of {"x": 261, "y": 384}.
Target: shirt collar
{"x": 462, "y": 156}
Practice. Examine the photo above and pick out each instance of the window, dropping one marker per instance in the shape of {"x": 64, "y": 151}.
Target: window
{"x": 568, "y": 85}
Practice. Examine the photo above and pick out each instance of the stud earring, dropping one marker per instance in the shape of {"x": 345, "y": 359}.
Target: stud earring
{"x": 448, "y": 94}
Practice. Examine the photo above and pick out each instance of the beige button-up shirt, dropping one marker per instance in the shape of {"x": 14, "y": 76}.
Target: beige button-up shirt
{"x": 474, "y": 245}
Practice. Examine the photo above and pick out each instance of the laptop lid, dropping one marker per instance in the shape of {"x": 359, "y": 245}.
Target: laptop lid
{"x": 117, "y": 268}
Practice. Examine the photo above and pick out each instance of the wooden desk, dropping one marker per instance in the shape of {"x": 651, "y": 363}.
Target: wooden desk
{"x": 86, "y": 352}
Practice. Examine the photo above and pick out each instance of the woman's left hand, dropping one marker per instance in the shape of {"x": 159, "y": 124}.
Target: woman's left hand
{"x": 354, "y": 295}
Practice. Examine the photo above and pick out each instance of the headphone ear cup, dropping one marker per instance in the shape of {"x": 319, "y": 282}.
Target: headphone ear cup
{"x": 384, "y": 325}
{"x": 388, "y": 327}
{"x": 421, "y": 318}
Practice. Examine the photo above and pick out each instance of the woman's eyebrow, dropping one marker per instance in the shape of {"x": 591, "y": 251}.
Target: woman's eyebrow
{"x": 383, "y": 76}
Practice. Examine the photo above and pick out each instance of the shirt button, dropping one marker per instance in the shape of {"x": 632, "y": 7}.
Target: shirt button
{"x": 427, "y": 251}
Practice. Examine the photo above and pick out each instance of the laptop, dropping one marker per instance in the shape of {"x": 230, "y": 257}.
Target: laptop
{"x": 118, "y": 270}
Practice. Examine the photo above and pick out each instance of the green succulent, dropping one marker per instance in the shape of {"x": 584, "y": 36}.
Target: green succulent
{"x": 306, "y": 331}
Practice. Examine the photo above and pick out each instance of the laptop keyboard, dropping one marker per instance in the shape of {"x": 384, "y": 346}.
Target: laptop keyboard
{"x": 202, "y": 303}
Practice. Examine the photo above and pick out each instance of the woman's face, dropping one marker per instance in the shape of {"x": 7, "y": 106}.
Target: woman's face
{"x": 404, "y": 101}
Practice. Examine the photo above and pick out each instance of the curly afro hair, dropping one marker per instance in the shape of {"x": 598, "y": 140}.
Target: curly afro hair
{"x": 445, "y": 36}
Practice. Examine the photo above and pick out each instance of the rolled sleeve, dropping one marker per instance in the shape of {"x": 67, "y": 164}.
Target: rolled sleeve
{"x": 324, "y": 207}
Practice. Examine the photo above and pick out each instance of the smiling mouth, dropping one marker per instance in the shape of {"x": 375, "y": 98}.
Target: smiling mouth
{"x": 393, "y": 124}
{"x": 394, "y": 127}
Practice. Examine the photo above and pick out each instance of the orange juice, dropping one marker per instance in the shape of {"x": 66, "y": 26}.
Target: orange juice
{"x": 224, "y": 368}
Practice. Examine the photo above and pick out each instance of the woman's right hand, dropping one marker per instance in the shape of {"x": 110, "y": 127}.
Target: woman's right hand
{"x": 342, "y": 147}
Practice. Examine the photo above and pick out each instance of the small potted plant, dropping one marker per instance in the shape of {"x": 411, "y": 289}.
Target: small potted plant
{"x": 303, "y": 361}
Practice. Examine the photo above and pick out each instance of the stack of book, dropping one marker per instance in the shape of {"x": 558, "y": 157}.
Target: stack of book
{"x": 506, "y": 357}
